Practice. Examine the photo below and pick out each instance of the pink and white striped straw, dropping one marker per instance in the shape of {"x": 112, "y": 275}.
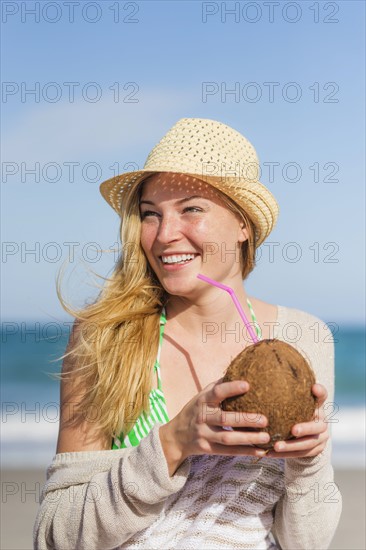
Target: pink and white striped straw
{"x": 236, "y": 302}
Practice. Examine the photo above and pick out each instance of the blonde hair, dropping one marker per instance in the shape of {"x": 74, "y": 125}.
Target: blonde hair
{"x": 114, "y": 342}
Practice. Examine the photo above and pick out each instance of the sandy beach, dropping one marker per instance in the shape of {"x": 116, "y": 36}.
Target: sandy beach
{"x": 21, "y": 489}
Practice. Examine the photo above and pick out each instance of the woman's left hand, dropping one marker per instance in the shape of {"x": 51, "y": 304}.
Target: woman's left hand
{"x": 311, "y": 437}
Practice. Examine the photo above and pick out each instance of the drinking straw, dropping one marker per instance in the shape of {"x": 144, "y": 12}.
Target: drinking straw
{"x": 235, "y": 300}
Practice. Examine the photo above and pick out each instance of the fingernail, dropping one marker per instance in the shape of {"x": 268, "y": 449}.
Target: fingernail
{"x": 263, "y": 438}
{"x": 280, "y": 446}
{"x": 297, "y": 431}
{"x": 257, "y": 420}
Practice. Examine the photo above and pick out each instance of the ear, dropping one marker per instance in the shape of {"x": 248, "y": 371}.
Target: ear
{"x": 243, "y": 234}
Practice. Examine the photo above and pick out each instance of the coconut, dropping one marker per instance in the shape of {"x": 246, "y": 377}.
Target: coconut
{"x": 280, "y": 381}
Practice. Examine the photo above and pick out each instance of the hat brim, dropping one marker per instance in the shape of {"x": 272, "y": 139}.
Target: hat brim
{"x": 255, "y": 199}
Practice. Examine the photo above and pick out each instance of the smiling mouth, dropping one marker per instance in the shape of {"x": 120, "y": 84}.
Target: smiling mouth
{"x": 177, "y": 259}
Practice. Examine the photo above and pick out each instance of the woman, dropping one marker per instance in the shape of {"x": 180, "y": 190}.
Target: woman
{"x": 145, "y": 456}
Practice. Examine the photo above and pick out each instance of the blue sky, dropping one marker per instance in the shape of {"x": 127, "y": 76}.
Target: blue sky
{"x": 169, "y": 60}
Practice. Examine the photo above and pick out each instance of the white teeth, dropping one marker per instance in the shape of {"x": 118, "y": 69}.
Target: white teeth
{"x": 176, "y": 259}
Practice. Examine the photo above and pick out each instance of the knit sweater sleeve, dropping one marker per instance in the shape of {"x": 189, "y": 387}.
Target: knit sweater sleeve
{"x": 308, "y": 513}
{"x": 99, "y": 499}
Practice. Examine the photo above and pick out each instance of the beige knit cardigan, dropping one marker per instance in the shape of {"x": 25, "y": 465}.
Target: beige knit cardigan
{"x": 126, "y": 499}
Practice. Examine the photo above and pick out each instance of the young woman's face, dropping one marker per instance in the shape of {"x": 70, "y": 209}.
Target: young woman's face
{"x": 186, "y": 229}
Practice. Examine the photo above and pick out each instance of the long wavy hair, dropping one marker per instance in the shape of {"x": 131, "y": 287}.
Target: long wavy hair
{"x": 113, "y": 345}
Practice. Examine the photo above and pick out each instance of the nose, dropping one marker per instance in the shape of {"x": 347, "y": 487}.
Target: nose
{"x": 170, "y": 229}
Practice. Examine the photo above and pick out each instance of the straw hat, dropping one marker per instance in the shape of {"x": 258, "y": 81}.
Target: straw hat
{"x": 211, "y": 152}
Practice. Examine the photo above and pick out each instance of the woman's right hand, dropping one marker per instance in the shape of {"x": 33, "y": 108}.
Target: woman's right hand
{"x": 199, "y": 427}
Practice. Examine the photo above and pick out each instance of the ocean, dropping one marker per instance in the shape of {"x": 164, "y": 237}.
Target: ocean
{"x": 30, "y": 396}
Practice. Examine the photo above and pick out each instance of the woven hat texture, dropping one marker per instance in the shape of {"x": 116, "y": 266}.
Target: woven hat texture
{"x": 211, "y": 152}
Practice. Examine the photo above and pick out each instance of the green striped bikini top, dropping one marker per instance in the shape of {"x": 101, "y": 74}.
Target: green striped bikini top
{"x": 158, "y": 410}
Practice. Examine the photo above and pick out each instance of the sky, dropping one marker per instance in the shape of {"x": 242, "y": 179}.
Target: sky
{"x": 88, "y": 88}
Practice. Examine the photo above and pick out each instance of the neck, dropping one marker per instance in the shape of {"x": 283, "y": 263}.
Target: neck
{"x": 213, "y": 316}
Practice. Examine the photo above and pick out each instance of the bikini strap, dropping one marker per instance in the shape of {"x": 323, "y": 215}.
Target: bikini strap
{"x": 161, "y": 333}
{"x": 254, "y": 319}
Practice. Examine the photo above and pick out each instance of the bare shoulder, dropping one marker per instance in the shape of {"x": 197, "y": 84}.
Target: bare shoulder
{"x": 77, "y": 432}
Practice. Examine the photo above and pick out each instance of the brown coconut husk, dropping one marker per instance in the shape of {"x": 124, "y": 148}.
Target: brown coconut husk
{"x": 280, "y": 381}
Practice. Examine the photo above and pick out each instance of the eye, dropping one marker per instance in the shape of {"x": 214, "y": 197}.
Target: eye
{"x": 192, "y": 209}
{"x": 148, "y": 213}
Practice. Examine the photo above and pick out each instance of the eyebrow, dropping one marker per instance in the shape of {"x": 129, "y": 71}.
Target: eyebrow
{"x": 180, "y": 201}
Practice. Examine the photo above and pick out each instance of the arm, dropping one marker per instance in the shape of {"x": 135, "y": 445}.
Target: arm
{"x": 96, "y": 497}
{"x": 308, "y": 514}
{"x": 99, "y": 499}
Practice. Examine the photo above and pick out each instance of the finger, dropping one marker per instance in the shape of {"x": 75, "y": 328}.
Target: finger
{"x": 303, "y": 444}
{"x": 242, "y": 438}
{"x": 220, "y": 391}
{"x": 320, "y": 393}
{"x": 300, "y": 454}
{"x": 212, "y": 414}
{"x": 237, "y": 450}
{"x": 309, "y": 428}
{"x": 233, "y": 419}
